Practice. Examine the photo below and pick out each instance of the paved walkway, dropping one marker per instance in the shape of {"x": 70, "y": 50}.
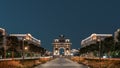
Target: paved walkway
{"x": 61, "y": 63}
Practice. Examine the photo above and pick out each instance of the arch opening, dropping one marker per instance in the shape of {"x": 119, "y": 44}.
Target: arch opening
{"x": 62, "y": 51}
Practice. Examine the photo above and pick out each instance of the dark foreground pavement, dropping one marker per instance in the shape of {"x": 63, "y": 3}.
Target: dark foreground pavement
{"x": 61, "y": 63}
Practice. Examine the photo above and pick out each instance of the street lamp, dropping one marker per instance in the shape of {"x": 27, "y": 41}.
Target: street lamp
{"x": 26, "y": 48}
{"x": 99, "y": 41}
{"x": 27, "y": 37}
{"x": 99, "y": 51}
{"x": 23, "y": 48}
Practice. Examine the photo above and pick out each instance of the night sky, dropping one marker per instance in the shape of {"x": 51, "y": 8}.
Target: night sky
{"x": 47, "y": 19}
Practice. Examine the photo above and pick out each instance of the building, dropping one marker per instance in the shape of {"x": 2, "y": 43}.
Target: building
{"x": 3, "y": 43}
{"x": 33, "y": 46}
{"x": 2, "y": 31}
{"x": 2, "y": 37}
{"x": 61, "y": 43}
{"x": 27, "y": 37}
{"x": 21, "y": 44}
{"x": 116, "y": 34}
{"x": 93, "y": 38}
{"x": 74, "y": 52}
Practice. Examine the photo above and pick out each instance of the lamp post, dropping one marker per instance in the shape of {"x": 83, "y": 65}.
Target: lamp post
{"x": 26, "y": 48}
{"x": 99, "y": 51}
{"x": 23, "y": 49}
{"x": 27, "y": 37}
{"x": 4, "y": 43}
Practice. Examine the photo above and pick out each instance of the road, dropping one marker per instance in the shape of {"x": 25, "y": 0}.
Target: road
{"x": 61, "y": 63}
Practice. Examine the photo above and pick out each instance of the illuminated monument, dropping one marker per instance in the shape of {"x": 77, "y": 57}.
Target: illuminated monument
{"x": 61, "y": 43}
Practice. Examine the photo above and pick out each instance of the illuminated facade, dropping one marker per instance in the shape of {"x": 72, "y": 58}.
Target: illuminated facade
{"x": 74, "y": 52}
{"x": 27, "y": 37}
{"x": 116, "y": 34}
{"x": 2, "y": 31}
{"x": 2, "y": 37}
{"x": 93, "y": 39}
{"x": 63, "y": 43}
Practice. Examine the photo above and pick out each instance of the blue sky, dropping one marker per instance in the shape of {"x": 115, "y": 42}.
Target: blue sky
{"x": 47, "y": 19}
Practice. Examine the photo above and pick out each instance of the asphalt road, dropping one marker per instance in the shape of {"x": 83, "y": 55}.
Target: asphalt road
{"x": 61, "y": 63}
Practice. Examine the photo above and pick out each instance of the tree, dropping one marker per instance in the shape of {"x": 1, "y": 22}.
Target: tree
{"x": 116, "y": 52}
{"x": 118, "y": 36}
{"x": 108, "y": 45}
{"x": 12, "y": 44}
{"x": 117, "y": 44}
{"x": 1, "y": 43}
{"x": 1, "y": 38}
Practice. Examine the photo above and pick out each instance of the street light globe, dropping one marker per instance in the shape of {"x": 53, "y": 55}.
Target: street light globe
{"x": 26, "y": 48}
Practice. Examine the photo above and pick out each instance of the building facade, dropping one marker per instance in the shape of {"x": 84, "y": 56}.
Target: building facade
{"x": 74, "y": 52}
{"x": 27, "y": 37}
{"x": 3, "y": 47}
{"x": 116, "y": 34}
{"x": 2, "y": 37}
{"x": 93, "y": 38}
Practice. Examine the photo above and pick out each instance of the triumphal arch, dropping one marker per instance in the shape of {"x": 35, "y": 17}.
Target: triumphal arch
{"x": 61, "y": 43}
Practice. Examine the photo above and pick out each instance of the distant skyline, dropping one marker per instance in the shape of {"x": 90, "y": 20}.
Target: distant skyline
{"x": 47, "y": 19}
